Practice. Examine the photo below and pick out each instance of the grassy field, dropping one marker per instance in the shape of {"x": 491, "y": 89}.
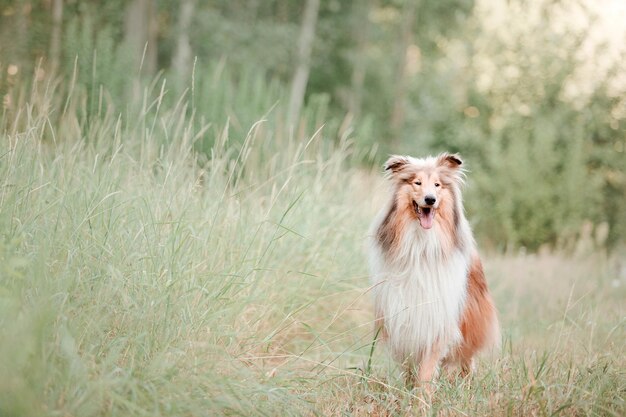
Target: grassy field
{"x": 138, "y": 278}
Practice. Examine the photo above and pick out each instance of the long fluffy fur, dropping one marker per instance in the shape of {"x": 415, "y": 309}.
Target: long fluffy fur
{"x": 431, "y": 300}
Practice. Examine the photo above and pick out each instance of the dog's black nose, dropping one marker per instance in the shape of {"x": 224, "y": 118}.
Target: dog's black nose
{"x": 430, "y": 200}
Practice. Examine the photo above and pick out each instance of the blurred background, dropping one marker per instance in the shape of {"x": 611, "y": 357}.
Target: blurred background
{"x": 531, "y": 93}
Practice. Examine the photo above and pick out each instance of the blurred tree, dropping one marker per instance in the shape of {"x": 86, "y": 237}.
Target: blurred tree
{"x": 359, "y": 28}
{"x": 55, "y": 35}
{"x": 303, "y": 66}
{"x": 396, "y": 124}
{"x": 181, "y": 58}
{"x": 541, "y": 157}
{"x": 140, "y": 34}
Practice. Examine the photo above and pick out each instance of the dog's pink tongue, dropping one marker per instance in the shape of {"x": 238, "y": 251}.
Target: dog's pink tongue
{"x": 426, "y": 220}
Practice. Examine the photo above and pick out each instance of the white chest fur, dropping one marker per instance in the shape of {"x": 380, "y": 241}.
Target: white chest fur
{"x": 420, "y": 294}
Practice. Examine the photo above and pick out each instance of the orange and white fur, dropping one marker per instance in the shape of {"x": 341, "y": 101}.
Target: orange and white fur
{"x": 431, "y": 299}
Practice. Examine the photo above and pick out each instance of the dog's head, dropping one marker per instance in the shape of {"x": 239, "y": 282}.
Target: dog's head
{"x": 427, "y": 186}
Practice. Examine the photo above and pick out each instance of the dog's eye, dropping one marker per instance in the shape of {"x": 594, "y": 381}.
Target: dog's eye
{"x": 418, "y": 183}
{"x": 437, "y": 184}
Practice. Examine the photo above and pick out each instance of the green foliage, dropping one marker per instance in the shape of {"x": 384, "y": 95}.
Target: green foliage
{"x": 507, "y": 91}
{"x": 532, "y": 147}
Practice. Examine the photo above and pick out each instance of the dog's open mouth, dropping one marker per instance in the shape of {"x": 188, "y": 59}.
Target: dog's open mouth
{"x": 425, "y": 215}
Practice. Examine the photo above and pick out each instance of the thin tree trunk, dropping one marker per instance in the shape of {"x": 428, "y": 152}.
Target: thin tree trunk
{"x": 140, "y": 35}
{"x": 305, "y": 45}
{"x": 55, "y": 35}
{"x": 360, "y": 34}
{"x": 398, "y": 114}
{"x": 181, "y": 60}
{"x": 22, "y": 35}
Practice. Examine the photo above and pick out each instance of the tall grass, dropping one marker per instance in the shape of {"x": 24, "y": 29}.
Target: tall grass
{"x": 134, "y": 267}
{"x": 139, "y": 277}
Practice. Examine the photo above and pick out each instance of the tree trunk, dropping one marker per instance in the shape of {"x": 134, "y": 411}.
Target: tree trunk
{"x": 305, "y": 45}
{"x": 181, "y": 60}
{"x": 360, "y": 28}
{"x": 398, "y": 114}
{"x": 23, "y": 34}
{"x": 140, "y": 35}
{"x": 55, "y": 35}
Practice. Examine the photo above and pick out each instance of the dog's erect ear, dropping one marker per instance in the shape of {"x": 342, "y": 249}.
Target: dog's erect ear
{"x": 395, "y": 163}
{"x": 449, "y": 160}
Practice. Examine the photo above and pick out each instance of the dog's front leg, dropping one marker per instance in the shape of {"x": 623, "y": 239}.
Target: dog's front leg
{"x": 429, "y": 366}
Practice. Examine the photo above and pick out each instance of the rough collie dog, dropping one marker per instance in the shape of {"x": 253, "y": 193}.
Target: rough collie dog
{"x": 431, "y": 300}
